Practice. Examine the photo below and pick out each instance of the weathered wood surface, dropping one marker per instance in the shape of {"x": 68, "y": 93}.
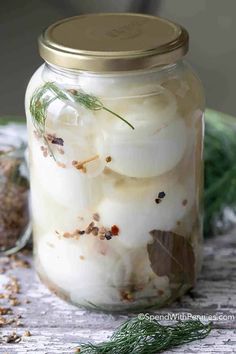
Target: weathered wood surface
{"x": 58, "y": 327}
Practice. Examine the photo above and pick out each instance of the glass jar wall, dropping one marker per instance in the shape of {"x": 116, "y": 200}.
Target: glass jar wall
{"x": 116, "y": 210}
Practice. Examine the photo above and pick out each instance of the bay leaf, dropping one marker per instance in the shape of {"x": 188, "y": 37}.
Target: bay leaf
{"x": 172, "y": 255}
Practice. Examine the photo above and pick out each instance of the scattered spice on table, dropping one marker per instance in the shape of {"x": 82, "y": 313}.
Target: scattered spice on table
{"x": 12, "y": 338}
{"x": 5, "y": 311}
{"x": 27, "y": 334}
{"x": 9, "y": 298}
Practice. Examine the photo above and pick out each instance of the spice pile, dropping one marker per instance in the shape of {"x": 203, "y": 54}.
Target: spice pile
{"x": 14, "y": 214}
{"x": 9, "y": 300}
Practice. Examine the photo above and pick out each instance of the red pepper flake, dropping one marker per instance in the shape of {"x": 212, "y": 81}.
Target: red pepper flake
{"x": 115, "y": 230}
{"x": 184, "y": 202}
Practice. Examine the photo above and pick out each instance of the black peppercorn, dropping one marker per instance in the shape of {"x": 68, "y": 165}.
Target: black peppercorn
{"x": 108, "y": 235}
{"x": 161, "y": 195}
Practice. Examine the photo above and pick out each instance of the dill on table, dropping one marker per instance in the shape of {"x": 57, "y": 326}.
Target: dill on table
{"x": 220, "y": 171}
{"x": 147, "y": 336}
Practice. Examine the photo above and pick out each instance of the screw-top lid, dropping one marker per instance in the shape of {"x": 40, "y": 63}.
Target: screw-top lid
{"x": 113, "y": 42}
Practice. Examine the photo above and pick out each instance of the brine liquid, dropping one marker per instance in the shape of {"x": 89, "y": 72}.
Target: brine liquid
{"x": 117, "y": 216}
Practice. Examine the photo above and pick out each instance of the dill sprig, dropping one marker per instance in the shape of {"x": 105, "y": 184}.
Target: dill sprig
{"x": 40, "y": 102}
{"x": 147, "y": 336}
{"x": 46, "y": 94}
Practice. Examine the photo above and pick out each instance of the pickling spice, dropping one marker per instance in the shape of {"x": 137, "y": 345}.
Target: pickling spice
{"x": 161, "y": 195}
{"x": 158, "y": 200}
{"x": 14, "y": 213}
{"x": 95, "y": 229}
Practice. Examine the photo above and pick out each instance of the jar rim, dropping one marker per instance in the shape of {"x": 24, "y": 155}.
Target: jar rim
{"x": 109, "y": 42}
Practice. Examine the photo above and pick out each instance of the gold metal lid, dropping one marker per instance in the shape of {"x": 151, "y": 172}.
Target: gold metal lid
{"x": 113, "y": 42}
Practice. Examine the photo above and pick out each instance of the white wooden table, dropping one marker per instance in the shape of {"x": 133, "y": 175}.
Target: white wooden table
{"x": 57, "y": 327}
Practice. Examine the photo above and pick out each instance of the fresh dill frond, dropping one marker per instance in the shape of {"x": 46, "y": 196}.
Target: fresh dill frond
{"x": 40, "y": 102}
{"x": 46, "y": 94}
{"x": 220, "y": 170}
{"x": 147, "y": 336}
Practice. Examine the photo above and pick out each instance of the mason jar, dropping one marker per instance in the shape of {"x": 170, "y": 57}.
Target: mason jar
{"x": 15, "y": 229}
{"x": 115, "y": 128}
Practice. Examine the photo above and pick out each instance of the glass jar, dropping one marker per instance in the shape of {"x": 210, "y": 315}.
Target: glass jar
{"x": 115, "y": 122}
{"x": 15, "y": 229}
